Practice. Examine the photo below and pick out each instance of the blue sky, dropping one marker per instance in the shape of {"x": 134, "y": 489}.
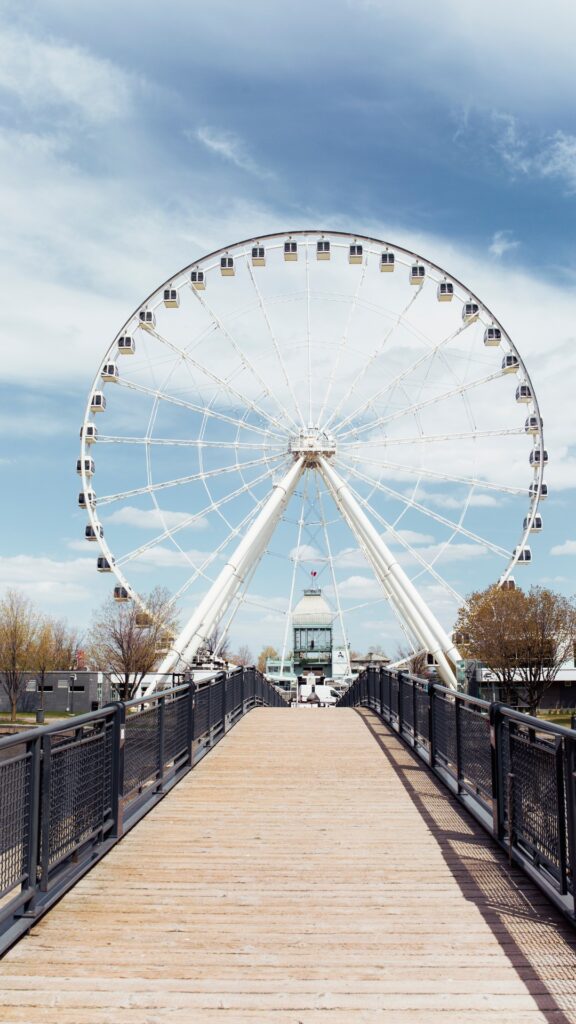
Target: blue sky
{"x": 135, "y": 140}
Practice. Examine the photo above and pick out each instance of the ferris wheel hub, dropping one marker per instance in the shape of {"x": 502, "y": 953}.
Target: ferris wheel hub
{"x": 311, "y": 442}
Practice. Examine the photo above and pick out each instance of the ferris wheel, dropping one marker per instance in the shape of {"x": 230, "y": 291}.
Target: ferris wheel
{"x": 312, "y": 400}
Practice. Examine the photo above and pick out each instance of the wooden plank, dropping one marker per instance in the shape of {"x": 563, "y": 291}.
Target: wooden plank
{"x": 309, "y": 869}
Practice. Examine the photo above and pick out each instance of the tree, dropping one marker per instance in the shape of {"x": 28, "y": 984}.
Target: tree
{"x": 547, "y": 641}
{"x": 244, "y": 656}
{"x": 19, "y": 626}
{"x": 217, "y": 644}
{"x": 522, "y": 638}
{"x": 265, "y": 653}
{"x": 416, "y": 661}
{"x": 56, "y": 647}
{"x": 129, "y": 643}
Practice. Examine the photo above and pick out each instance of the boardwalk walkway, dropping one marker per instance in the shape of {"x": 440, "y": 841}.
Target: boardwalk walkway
{"x": 308, "y": 870}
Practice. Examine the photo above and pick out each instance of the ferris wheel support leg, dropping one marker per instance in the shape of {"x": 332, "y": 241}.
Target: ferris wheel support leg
{"x": 227, "y": 583}
{"x": 417, "y": 613}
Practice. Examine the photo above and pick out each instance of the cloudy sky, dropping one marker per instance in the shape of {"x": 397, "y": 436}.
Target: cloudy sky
{"x": 134, "y": 140}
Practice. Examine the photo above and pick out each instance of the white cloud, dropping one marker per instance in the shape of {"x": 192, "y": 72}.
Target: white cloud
{"x": 51, "y": 583}
{"x": 411, "y": 537}
{"x": 231, "y": 148}
{"x": 306, "y": 553}
{"x": 558, "y": 160}
{"x": 502, "y": 242}
{"x": 152, "y": 519}
{"x": 567, "y": 548}
{"x": 46, "y": 74}
{"x": 161, "y": 557}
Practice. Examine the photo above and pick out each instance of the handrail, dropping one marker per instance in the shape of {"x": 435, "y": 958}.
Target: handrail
{"x": 71, "y": 789}
{"x": 515, "y": 773}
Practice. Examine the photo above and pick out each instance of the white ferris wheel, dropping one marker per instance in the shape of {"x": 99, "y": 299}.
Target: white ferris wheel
{"x": 312, "y": 400}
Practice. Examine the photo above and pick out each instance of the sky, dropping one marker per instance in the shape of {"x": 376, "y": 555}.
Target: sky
{"x": 135, "y": 139}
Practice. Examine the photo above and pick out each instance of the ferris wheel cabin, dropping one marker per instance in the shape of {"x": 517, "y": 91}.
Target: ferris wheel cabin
{"x": 86, "y": 499}
{"x": 470, "y": 311}
{"x": 290, "y": 252}
{"x": 417, "y": 273}
{"x": 126, "y": 345}
{"x": 322, "y": 249}
{"x": 538, "y": 457}
{"x": 103, "y": 564}
{"x": 89, "y": 433}
{"x": 93, "y": 534}
{"x": 534, "y": 525}
{"x": 387, "y": 262}
{"x": 171, "y": 298}
{"x": 533, "y": 490}
{"x": 258, "y": 256}
{"x": 147, "y": 319}
{"x": 355, "y": 254}
{"x": 121, "y": 594}
{"x": 492, "y": 337}
{"x": 98, "y": 402}
{"x": 524, "y": 555}
{"x": 85, "y": 466}
{"x": 227, "y": 266}
{"x": 197, "y": 280}
{"x": 110, "y": 373}
{"x": 524, "y": 393}
{"x": 445, "y": 291}
{"x": 510, "y": 363}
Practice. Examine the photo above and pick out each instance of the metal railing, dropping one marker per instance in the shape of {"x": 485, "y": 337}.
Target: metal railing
{"x": 69, "y": 791}
{"x": 515, "y": 773}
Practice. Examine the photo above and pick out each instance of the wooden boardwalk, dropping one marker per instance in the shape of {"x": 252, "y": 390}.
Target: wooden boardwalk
{"x": 308, "y": 870}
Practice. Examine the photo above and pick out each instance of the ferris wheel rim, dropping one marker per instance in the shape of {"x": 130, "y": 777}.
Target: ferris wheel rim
{"x": 313, "y": 234}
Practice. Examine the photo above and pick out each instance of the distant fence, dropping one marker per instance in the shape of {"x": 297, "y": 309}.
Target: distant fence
{"x": 515, "y": 773}
{"x": 69, "y": 791}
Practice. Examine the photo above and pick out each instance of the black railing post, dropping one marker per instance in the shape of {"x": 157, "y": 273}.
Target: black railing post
{"x": 45, "y": 812}
{"x": 161, "y": 740}
{"x": 118, "y": 745}
{"x": 561, "y": 804}
{"x": 400, "y": 677}
{"x": 210, "y": 682}
{"x": 570, "y": 768}
{"x": 242, "y": 690}
{"x": 382, "y": 693}
{"x": 458, "y": 739}
{"x": 414, "y": 712}
{"x": 496, "y": 762}
{"x": 431, "y": 731}
{"x": 190, "y": 723}
{"x": 32, "y": 827}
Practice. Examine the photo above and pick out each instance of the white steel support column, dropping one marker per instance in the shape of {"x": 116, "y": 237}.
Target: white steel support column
{"x": 417, "y": 613}
{"x": 232, "y": 576}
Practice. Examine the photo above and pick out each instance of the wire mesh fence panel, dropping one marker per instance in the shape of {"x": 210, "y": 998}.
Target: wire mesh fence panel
{"x": 142, "y": 748}
{"x": 201, "y": 723}
{"x": 475, "y": 751}
{"x": 407, "y": 706}
{"x": 175, "y": 728}
{"x": 236, "y": 692}
{"x": 217, "y": 705}
{"x": 394, "y": 697}
{"x": 79, "y": 794}
{"x": 14, "y": 823}
{"x": 422, "y": 724}
{"x": 533, "y": 806}
{"x": 444, "y": 717}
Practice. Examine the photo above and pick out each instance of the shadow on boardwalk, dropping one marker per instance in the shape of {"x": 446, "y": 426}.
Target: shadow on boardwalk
{"x": 538, "y": 942}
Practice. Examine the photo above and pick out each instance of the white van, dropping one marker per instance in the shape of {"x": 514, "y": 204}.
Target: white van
{"x": 326, "y": 694}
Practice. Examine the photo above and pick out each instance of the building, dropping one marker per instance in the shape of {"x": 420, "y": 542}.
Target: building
{"x": 64, "y": 691}
{"x": 313, "y": 647}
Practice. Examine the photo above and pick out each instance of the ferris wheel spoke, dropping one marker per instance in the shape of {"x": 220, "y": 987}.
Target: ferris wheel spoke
{"x": 417, "y": 406}
{"x": 343, "y": 343}
{"x": 412, "y": 503}
{"x": 193, "y": 518}
{"x": 400, "y": 539}
{"x": 364, "y": 369}
{"x": 108, "y": 499}
{"x": 234, "y": 532}
{"x": 243, "y": 357}
{"x": 189, "y": 443}
{"x": 434, "y": 475}
{"x": 386, "y": 442}
{"x": 277, "y": 349}
{"x": 222, "y": 382}
{"x": 203, "y": 410}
